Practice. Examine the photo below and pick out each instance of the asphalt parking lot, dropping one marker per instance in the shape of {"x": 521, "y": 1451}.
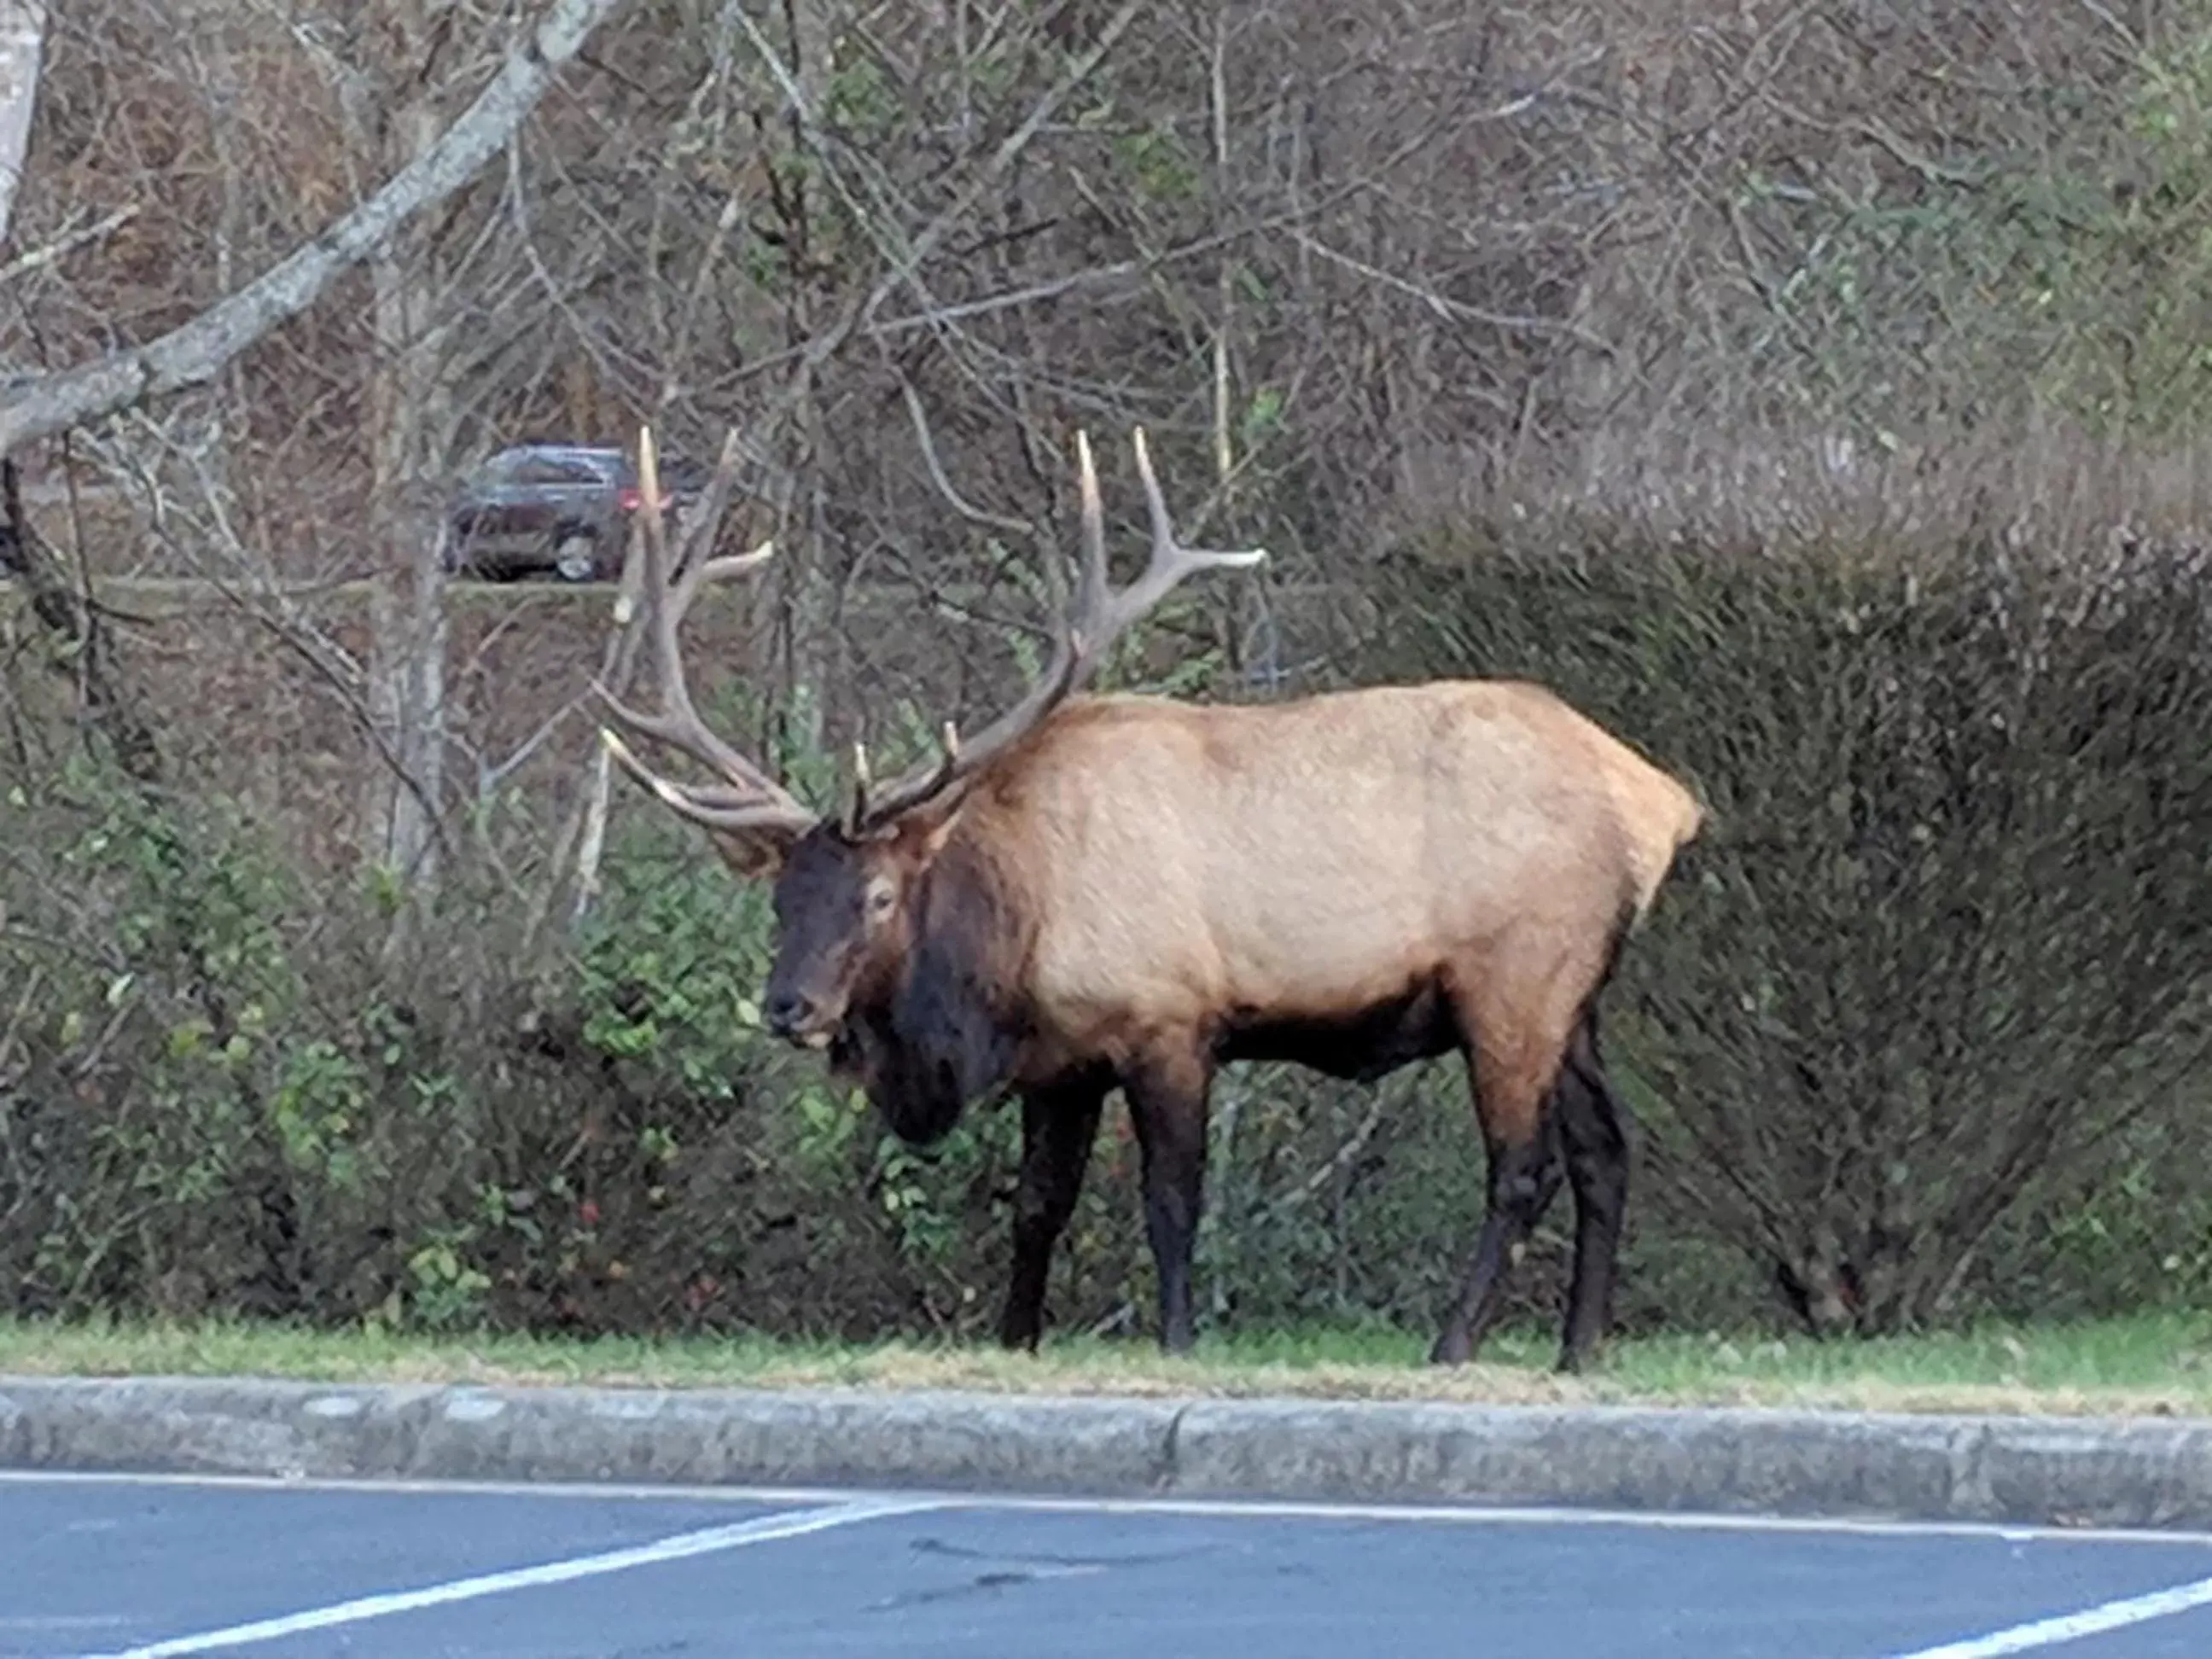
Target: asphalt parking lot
{"x": 153, "y": 1567}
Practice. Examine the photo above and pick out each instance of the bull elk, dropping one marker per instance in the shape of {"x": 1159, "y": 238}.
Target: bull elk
{"x": 1120, "y": 891}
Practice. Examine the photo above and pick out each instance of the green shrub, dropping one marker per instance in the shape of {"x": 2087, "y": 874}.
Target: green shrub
{"x": 1941, "y": 953}
{"x": 1911, "y": 1032}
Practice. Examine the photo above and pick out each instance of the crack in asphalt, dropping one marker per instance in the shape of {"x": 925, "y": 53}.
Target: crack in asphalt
{"x": 1147, "y": 1558}
{"x": 1009, "y": 1570}
{"x": 982, "y": 1585}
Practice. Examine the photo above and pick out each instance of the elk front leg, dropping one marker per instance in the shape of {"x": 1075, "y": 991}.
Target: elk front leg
{"x": 1059, "y": 1125}
{"x": 1167, "y": 1108}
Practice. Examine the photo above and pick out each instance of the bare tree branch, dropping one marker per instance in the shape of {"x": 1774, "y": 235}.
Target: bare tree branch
{"x": 68, "y": 243}
{"x": 197, "y": 351}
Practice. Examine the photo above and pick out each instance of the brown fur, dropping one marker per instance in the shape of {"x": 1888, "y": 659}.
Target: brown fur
{"x": 1192, "y": 868}
{"x": 1142, "y": 889}
{"x": 1095, "y": 893}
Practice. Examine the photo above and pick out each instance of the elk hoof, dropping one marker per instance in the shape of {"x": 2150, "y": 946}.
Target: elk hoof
{"x": 1574, "y": 1362}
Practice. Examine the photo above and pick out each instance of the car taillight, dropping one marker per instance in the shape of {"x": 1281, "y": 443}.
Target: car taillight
{"x": 629, "y": 500}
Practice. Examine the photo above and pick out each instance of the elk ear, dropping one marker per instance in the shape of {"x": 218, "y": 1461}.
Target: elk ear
{"x": 752, "y": 855}
{"x": 921, "y": 835}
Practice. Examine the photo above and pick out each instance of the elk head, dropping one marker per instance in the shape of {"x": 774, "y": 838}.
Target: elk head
{"x": 853, "y": 894}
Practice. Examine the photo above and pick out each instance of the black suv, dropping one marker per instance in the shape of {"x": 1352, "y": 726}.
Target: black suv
{"x": 561, "y": 509}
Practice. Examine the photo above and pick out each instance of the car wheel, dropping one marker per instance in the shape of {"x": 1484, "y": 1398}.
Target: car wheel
{"x": 575, "y": 559}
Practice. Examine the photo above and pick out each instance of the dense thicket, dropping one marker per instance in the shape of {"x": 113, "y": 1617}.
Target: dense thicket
{"x": 1942, "y": 949}
{"x": 1865, "y": 342}
{"x": 1913, "y": 1034}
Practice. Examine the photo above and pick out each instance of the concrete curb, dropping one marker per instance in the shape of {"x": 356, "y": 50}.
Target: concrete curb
{"x": 2148, "y": 1474}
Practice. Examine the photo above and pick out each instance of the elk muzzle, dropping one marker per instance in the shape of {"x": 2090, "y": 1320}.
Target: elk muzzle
{"x": 800, "y": 1019}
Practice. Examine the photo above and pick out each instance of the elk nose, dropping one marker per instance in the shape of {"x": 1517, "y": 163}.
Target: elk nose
{"x": 787, "y": 1010}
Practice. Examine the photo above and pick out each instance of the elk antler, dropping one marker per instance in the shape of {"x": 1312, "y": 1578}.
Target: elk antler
{"x": 747, "y": 802}
{"x": 1102, "y": 615}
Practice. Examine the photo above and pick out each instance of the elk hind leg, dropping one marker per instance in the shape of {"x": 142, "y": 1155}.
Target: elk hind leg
{"x": 1167, "y": 1095}
{"x": 1594, "y": 1131}
{"x": 1524, "y": 1176}
{"x": 1059, "y": 1125}
{"x": 1510, "y": 1072}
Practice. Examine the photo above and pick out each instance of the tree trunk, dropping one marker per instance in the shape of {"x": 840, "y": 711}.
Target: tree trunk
{"x": 409, "y": 405}
{"x": 22, "y": 47}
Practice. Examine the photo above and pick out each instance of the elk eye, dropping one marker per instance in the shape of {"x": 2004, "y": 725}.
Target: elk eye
{"x": 880, "y": 899}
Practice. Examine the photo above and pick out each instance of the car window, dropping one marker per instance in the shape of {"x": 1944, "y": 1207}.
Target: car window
{"x": 524, "y": 466}
{"x": 544, "y": 469}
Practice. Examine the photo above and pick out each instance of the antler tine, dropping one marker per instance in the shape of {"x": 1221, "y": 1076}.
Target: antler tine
{"x": 1094, "y": 587}
{"x": 707, "y": 513}
{"x": 748, "y": 800}
{"x": 1081, "y": 643}
{"x": 856, "y": 814}
{"x": 716, "y": 806}
{"x": 1169, "y": 563}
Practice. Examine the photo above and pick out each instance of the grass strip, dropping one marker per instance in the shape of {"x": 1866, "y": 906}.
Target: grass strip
{"x": 2149, "y": 1364}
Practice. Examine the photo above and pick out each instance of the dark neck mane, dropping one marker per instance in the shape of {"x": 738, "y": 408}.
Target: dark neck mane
{"x": 951, "y": 1025}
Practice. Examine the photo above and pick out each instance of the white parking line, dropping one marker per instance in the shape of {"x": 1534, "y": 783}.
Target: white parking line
{"x": 678, "y": 1547}
{"x": 2071, "y": 1627}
